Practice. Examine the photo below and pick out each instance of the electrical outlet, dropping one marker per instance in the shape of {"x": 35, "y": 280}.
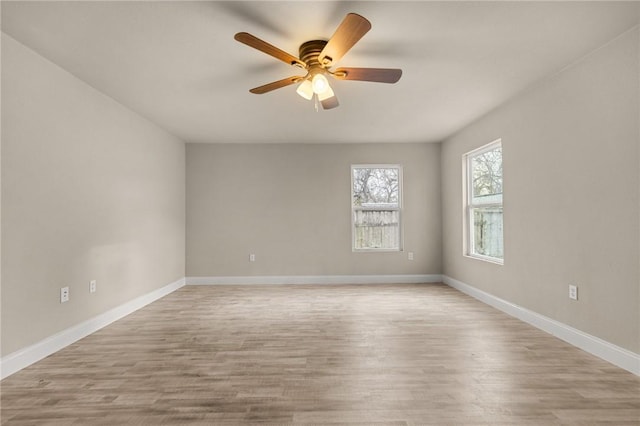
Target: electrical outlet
{"x": 410, "y": 255}
{"x": 573, "y": 292}
{"x": 93, "y": 286}
{"x": 64, "y": 294}
{"x": 252, "y": 257}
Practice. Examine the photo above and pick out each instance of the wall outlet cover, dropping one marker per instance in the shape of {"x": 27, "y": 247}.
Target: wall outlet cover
{"x": 573, "y": 292}
{"x": 64, "y": 294}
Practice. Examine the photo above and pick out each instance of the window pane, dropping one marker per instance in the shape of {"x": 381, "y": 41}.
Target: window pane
{"x": 375, "y": 197}
{"x": 376, "y": 229}
{"x": 375, "y": 187}
{"x": 487, "y": 232}
{"x": 486, "y": 177}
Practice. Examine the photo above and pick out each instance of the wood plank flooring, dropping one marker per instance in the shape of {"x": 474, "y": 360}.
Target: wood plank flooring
{"x": 346, "y": 354}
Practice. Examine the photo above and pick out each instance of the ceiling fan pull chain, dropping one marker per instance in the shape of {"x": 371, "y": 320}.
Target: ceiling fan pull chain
{"x": 315, "y": 101}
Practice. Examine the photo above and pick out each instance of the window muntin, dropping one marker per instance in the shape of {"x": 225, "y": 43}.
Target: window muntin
{"x": 484, "y": 211}
{"x": 376, "y": 194}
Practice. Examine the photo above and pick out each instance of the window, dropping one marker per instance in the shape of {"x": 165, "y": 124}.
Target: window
{"x": 376, "y": 193}
{"x": 483, "y": 169}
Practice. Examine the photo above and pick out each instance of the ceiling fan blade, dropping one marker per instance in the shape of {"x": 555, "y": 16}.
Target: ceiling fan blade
{"x": 329, "y": 103}
{"x": 378, "y": 75}
{"x": 269, "y": 49}
{"x": 276, "y": 85}
{"x": 352, "y": 28}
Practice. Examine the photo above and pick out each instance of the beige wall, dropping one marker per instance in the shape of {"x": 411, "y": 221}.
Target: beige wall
{"x": 290, "y": 205}
{"x": 571, "y": 203}
{"x": 90, "y": 191}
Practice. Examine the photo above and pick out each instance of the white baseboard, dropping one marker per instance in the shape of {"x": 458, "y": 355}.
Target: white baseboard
{"x": 316, "y": 279}
{"x": 24, "y": 357}
{"x": 609, "y": 352}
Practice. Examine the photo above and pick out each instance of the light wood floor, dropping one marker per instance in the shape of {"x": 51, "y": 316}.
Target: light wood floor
{"x": 358, "y": 354}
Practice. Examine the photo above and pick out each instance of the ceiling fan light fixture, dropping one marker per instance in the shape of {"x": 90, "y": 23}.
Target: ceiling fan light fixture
{"x": 328, "y": 93}
{"x": 320, "y": 83}
{"x": 305, "y": 89}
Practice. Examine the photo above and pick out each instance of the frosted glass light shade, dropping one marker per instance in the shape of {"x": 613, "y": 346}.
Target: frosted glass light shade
{"x": 305, "y": 89}
{"x": 320, "y": 83}
{"x": 328, "y": 93}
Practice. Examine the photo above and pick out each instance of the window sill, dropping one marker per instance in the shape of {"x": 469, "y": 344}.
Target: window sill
{"x": 487, "y": 259}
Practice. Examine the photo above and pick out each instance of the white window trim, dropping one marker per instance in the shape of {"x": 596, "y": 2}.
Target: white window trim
{"x": 467, "y": 243}
{"x": 398, "y": 209}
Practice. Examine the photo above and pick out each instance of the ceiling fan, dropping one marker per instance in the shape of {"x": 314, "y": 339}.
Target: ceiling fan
{"x": 317, "y": 57}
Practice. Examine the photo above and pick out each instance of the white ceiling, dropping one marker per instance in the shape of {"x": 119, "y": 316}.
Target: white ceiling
{"x": 177, "y": 64}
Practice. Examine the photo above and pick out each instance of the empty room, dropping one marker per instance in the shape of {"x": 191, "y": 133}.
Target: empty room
{"x": 320, "y": 212}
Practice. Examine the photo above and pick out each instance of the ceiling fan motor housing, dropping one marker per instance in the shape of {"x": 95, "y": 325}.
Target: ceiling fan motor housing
{"x": 309, "y": 52}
